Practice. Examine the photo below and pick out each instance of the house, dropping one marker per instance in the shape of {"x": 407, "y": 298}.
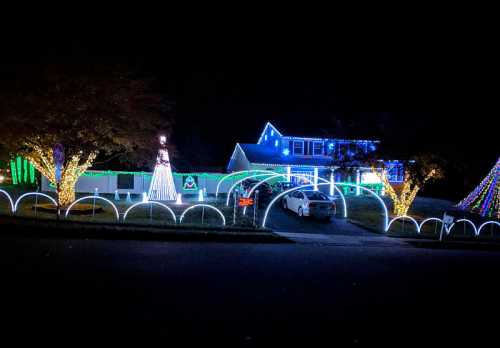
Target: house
{"x": 308, "y": 157}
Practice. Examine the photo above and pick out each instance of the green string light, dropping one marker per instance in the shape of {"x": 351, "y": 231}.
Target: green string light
{"x": 19, "y": 169}
{"x": 13, "y": 172}
{"x": 25, "y": 170}
{"x": 32, "y": 173}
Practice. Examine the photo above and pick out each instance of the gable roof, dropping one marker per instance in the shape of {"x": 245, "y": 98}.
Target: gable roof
{"x": 268, "y": 125}
{"x": 258, "y": 154}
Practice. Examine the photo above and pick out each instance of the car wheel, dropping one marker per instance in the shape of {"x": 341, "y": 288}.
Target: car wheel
{"x": 300, "y": 212}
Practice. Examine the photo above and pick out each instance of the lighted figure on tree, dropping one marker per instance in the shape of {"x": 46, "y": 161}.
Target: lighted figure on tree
{"x": 62, "y": 117}
{"x": 162, "y": 186}
{"x": 418, "y": 172}
{"x": 485, "y": 199}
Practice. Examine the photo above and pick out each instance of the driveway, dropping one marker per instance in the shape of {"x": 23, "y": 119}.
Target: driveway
{"x": 287, "y": 221}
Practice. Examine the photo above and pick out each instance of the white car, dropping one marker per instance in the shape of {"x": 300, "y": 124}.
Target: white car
{"x": 310, "y": 203}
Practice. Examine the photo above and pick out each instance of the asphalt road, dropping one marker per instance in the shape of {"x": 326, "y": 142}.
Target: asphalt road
{"x": 354, "y": 292}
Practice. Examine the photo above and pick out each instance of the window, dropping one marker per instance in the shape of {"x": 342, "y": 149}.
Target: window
{"x": 318, "y": 148}
{"x": 316, "y": 196}
{"x": 298, "y": 147}
{"x": 276, "y": 143}
{"x": 125, "y": 182}
{"x": 272, "y": 133}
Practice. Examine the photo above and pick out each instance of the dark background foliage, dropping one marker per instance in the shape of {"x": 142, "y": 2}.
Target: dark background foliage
{"x": 225, "y": 91}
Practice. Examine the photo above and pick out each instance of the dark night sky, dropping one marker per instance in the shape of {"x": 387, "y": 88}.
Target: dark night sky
{"x": 225, "y": 93}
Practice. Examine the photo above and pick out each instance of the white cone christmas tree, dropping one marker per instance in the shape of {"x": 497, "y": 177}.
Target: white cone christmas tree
{"x": 162, "y": 186}
{"x": 485, "y": 199}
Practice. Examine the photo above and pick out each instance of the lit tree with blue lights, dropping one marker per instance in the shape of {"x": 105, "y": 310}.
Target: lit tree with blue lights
{"x": 485, "y": 199}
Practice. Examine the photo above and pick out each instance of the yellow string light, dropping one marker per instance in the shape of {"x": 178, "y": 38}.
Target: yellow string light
{"x": 402, "y": 201}
{"x": 43, "y": 161}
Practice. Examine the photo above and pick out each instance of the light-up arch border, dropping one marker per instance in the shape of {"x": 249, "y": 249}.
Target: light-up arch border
{"x": 117, "y": 214}
{"x": 166, "y": 207}
{"x": 11, "y": 202}
{"x": 430, "y": 219}
{"x": 240, "y": 181}
{"x": 487, "y": 223}
{"x": 206, "y": 206}
{"x": 268, "y": 209}
{"x": 254, "y": 187}
{"x": 237, "y": 173}
{"x": 52, "y": 200}
{"x": 302, "y": 177}
{"x": 476, "y": 233}
{"x": 404, "y": 217}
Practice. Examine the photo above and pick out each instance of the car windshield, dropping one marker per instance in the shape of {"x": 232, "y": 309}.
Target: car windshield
{"x": 316, "y": 196}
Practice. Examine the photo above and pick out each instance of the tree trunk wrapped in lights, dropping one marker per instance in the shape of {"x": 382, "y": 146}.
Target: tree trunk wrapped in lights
{"x": 403, "y": 196}
{"x": 403, "y": 199}
{"x": 43, "y": 161}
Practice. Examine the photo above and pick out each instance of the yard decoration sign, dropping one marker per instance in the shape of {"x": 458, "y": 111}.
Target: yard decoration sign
{"x": 190, "y": 182}
{"x": 245, "y": 202}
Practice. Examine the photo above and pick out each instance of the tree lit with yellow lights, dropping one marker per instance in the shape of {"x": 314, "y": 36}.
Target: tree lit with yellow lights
{"x": 418, "y": 172}
{"x": 96, "y": 113}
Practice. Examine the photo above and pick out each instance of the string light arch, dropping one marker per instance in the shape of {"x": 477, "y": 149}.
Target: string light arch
{"x": 117, "y": 214}
{"x": 302, "y": 177}
{"x": 238, "y": 173}
{"x": 465, "y": 221}
{"x": 206, "y": 206}
{"x": 268, "y": 209}
{"x": 52, "y": 200}
{"x": 487, "y": 223}
{"x": 404, "y": 217}
{"x": 9, "y": 198}
{"x": 166, "y": 207}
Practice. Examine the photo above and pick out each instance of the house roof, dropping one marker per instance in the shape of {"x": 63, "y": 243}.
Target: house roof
{"x": 264, "y": 155}
{"x": 308, "y": 134}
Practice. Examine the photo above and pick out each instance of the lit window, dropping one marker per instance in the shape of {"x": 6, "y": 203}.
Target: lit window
{"x": 317, "y": 148}
{"x": 298, "y": 147}
{"x": 286, "y": 152}
{"x": 272, "y": 132}
{"x": 276, "y": 143}
{"x": 265, "y": 137}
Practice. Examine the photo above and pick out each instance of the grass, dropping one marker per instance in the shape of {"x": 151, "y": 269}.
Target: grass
{"x": 141, "y": 215}
{"x": 367, "y": 212}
